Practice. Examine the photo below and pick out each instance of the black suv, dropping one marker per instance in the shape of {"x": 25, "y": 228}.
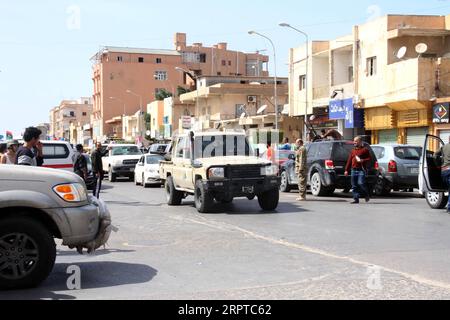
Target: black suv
{"x": 326, "y": 168}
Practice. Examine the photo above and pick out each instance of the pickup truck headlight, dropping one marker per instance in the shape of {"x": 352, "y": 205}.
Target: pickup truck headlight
{"x": 270, "y": 171}
{"x": 73, "y": 192}
{"x": 216, "y": 173}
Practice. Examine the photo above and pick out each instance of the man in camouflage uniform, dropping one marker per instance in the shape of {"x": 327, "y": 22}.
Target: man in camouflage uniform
{"x": 301, "y": 168}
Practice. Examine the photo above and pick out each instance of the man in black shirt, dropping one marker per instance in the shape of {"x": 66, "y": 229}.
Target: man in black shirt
{"x": 30, "y": 154}
{"x": 80, "y": 164}
{"x": 97, "y": 167}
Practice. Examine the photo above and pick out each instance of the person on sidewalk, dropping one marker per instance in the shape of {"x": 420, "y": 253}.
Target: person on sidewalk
{"x": 301, "y": 168}
{"x": 10, "y": 156}
{"x": 357, "y": 163}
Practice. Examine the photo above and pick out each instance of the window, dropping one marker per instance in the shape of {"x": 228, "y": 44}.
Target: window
{"x": 141, "y": 60}
{"x": 379, "y": 152}
{"x": 72, "y": 113}
{"x": 219, "y": 73}
{"x": 224, "y": 63}
{"x": 51, "y": 151}
{"x": 180, "y": 148}
{"x": 350, "y": 74}
{"x": 202, "y": 58}
{"x": 240, "y": 109}
{"x": 84, "y": 114}
{"x": 119, "y": 59}
{"x": 302, "y": 82}
{"x": 161, "y": 75}
{"x": 158, "y": 60}
{"x": 229, "y": 62}
{"x": 371, "y": 66}
{"x": 408, "y": 153}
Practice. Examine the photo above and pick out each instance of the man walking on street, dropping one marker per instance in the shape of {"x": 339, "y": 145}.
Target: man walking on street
{"x": 301, "y": 168}
{"x": 80, "y": 163}
{"x": 30, "y": 154}
{"x": 445, "y": 171}
{"x": 357, "y": 162}
{"x": 97, "y": 167}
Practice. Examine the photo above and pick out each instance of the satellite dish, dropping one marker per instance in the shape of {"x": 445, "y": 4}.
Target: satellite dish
{"x": 312, "y": 118}
{"x": 243, "y": 115}
{"x": 421, "y": 48}
{"x": 401, "y": 52}
{"x": 447, "y": 55}
{"x": 262, "y": 109}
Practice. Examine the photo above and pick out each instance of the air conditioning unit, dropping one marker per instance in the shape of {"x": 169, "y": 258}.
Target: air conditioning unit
{"x": 251, "y": 99}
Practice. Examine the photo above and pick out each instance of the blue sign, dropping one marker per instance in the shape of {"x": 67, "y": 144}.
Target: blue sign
{"x": 338, "y": 108}
{"x": 349, "y": 116}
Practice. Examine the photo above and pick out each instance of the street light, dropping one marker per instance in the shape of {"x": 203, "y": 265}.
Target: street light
{"x": 287, "y": 25}
{"x": 195, "y": 78}
{"x": 140, "y": 113}
{"x": 275, "y": 71}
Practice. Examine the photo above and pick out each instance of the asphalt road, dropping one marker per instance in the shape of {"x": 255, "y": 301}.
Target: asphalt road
{"x": 391, "y": 248}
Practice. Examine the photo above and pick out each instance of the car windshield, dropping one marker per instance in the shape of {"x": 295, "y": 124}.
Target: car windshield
{"x": 408, "y": 153}
{"x": 126, "y": 151}
{"x": 154, "y": 159}
{"x": 159, "y": 148}
{"x": 222, "y": 145}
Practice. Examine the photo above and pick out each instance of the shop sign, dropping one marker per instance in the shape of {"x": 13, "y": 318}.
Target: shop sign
{"x": 441, "y": 113}
{"x": 338, "y": 108}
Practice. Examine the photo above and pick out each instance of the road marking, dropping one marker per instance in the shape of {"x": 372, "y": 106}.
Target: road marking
{"x": 365, "y": 264}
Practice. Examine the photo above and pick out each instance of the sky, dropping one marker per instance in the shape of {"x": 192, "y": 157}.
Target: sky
{"x": 46, "y": 45}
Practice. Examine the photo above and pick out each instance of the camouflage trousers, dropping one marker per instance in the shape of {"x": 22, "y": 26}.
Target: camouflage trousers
{"x": 302, "y": 181}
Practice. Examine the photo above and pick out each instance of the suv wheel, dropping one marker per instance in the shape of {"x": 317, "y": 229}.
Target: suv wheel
{"x": 174, "y": 196}
{"x": 203, "y": 200}
{"x": 436, "y": 200}
{"x": 382, "y": 188}
{"x": 285, "y": 187}
{"x": 27, "y": 253}
{"x": 268, "y": 201}
{"x": 317, "y": 189}
{"x": 112, "y": 177}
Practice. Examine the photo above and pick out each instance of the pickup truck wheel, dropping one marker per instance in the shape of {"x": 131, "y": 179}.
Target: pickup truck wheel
{"x": 112, "y": 177}
{"x": 285, "y": 187}
{"x": 27, "y": 253}
{"x": 203, "y": 200}
{"x": 174, "y": 197}
{"x": 382, "y": 187}
{"x": 436, "y": 200}
{"x": 268, "y": 201}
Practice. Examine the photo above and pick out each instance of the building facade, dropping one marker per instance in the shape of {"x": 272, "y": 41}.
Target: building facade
{"x": 385, "y": 77}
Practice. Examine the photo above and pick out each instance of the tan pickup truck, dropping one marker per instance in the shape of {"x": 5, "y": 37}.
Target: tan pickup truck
{"x": 218, "y": 166}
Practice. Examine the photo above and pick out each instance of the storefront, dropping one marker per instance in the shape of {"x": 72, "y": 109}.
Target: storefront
{"x": 441, "y": 121}
{"x": 389, "y": 136}
{"x": 416, "y": 136}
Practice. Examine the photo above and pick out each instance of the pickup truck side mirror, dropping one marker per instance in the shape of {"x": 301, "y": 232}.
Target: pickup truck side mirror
{"x": 257, "y": 152}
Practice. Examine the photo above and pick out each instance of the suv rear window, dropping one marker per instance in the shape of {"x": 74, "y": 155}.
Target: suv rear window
{"x": 342, "y": 151}
{"x": 52, "y": 151}
{"x": 408, "y": 153}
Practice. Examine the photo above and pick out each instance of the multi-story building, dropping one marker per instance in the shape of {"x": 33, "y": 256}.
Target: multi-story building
{"x": 127, "y": 79}
{"x": 385, "y": 77}
{"x": 69, "y": 113}
{"x": 242, "y": 102}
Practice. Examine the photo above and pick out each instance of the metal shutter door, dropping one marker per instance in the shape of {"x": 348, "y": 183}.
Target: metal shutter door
{"x": 388, "y": 136}
{"x": 444, "y": 135}
{"x": 416, "y": 136}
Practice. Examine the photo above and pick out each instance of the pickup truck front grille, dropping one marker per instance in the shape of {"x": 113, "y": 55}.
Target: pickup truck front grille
{"x": 130, "y": 162}
{"x": 245, "y": 172}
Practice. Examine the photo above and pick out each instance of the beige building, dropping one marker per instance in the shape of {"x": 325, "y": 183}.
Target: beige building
{"x": 394, "y": 68}
{"x": 126, "y": 80}
{"x": 69, "y": 115}
{"x": 242, "y": 102}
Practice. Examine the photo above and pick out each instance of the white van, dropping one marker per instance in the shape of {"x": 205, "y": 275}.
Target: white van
{"x": 58, "y": 155}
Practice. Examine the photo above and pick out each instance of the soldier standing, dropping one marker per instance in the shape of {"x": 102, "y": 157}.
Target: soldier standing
{"x": 301, "y": 168}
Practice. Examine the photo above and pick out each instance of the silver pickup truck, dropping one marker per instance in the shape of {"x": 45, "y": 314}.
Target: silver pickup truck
{"x": 36, "y": 206}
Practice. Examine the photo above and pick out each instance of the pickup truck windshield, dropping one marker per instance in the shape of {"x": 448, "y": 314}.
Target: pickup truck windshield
{"x": 221, "y": 146}
{"x": 126, "y": 151}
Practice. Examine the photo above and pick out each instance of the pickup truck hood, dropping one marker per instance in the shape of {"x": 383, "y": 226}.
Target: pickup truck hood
{"x": 35, "y": 174}
{"x": 241, "y": 160}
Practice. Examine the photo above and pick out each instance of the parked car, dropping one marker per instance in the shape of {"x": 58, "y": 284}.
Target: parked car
{"x": 326, "y": 168}
{"x": 160, "y": 149}
{"x": 58, "y": 155}
{"x": 399, "y": 168}
{"x": 431, "y": 185}
{"x": 147, "y": 170}
{"x": 121, "y": 161}
{"x": 38, "y": 205}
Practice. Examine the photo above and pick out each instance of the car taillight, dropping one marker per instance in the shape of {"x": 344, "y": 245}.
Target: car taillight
{"x": 392, "y": 167}
{"x": 377, "y": 166}
{"x": 329, "y": 164}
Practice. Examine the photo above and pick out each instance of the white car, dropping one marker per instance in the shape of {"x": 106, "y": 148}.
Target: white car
{"x": 121, "y": 161}
{"x": 58, "y": 155}
{"x": 430, "y": 181}
{"x": 147, "y": 170}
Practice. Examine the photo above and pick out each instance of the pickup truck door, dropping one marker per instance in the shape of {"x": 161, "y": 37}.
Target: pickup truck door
{"x": 430, "y": 166}
{"x": 180, "y": 163}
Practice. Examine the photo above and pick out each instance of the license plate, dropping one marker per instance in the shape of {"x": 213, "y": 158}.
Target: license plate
{"x": 248, "y": 189}
{"x": 415, "y": 170}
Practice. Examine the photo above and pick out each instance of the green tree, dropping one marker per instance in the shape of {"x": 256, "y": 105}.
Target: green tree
{"x": 181, "y": 90}
{"x": 163, "y": 94}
